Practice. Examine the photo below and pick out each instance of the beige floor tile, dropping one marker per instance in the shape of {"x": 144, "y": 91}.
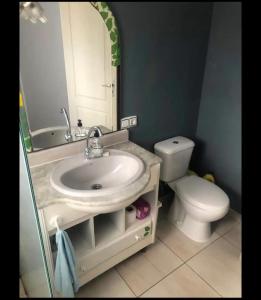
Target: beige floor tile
{"x": 234, "y": 235}
{"x": 235, "y": 215}
{"x": 139, "y": 273}
{"x": 220, "y": 266}
{"x": 22, "y": 293}
{"x": 108, "y": 284}
{"x": 184, "y": 247}
{"x": 143, "y": 270}
{"x": 225, "y": 224}
{"x": 181, "y": 283}
{"x": 162, "y": 257}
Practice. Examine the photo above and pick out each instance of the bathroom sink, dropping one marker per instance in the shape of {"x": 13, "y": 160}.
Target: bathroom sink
{"x": 48, "y": 137}
{"x": 80, "y": 177}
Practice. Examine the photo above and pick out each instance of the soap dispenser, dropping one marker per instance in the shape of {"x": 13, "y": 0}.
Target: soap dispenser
{"x": 80, "y": 131}
{"x": 97, "y": 148}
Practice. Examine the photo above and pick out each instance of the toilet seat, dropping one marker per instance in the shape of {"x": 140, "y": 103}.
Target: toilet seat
{"x": 201, "y": 193}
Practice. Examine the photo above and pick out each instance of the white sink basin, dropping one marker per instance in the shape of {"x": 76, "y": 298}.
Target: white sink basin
{"x": 79, "y": 177}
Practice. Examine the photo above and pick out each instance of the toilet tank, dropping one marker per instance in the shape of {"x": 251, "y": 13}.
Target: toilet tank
{"x": 175, "y": 153}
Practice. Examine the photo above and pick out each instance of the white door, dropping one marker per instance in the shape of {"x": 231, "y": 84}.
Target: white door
{"x": 87, "y": 53}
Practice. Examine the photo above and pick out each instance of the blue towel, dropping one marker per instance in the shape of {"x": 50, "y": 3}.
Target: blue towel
{"x": 66, "y": 281}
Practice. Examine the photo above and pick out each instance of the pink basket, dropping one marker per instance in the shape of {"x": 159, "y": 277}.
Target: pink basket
{"x": 142, "y": 208}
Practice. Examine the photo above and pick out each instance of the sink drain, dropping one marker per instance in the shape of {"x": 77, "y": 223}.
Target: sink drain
{"x": 96, "y": 186}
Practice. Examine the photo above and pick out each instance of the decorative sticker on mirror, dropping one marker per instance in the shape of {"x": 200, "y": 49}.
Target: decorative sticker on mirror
{"x": 24, "y": 125}
{"x": 110, "y": 22}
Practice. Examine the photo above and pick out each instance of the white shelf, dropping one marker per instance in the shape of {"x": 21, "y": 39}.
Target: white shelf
{"x": 81, "y": 241}
{"x": 101, "y": 230}
{"x": 107, "y": 227}
{"x": 138, "y": 223}
{"x": 81, "y": 237}
{"x": 105, "y": 231}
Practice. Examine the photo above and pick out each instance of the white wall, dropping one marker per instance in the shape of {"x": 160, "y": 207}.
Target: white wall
{"x": 42, "y": 69}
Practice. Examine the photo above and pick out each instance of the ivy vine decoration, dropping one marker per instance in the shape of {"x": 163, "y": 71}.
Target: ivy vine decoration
{"x": 111, "y": 25}
{"x": 147, "y": 230}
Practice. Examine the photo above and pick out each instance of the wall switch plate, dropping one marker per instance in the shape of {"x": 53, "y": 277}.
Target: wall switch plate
{"x": 124, "y": 123}
{"x": 128, "y": 122}
{"x": 133, "y": 121}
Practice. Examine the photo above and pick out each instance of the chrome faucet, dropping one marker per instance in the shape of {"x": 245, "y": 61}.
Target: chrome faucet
{"x": 68, "y": 134}
{"x": 95, "y": 150}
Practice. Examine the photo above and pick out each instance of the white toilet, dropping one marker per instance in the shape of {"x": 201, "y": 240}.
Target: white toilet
{"x": 197, "y": 201}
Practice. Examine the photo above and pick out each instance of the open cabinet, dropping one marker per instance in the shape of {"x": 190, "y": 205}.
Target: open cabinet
{"x": 101, "y": 241}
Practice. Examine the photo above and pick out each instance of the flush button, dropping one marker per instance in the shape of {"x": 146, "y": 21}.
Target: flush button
{"x": 175, "y": 142}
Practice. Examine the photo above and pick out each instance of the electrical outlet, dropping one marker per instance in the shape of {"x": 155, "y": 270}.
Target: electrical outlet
{"x": 128, "y": 122}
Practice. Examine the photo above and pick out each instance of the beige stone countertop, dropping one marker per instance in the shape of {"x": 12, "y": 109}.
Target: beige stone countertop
{"x": 46, "y": 195}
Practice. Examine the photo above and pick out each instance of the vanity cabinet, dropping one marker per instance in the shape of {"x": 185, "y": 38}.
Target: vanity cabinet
{"x": 101, "y": 241}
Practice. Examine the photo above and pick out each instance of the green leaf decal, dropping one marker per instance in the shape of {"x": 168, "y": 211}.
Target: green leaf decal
{"x": 116, "y": 62}
{"x": 109, "y": 24}
{"x": 146, "y": 233}
{"x": 147, "y": 228}
{"x": 104, "y": 15}
{"x": 103, "y": 4}
{"x": 113, "y": 36}
{"x": 113, "y": 48}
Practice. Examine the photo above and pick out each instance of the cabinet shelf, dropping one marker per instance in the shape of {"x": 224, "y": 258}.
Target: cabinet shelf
{"x": 108, "y": 226}
{"x": 138, "y": 223}
{"x": 81, "y": 238}
{"x": 94, "y": 235}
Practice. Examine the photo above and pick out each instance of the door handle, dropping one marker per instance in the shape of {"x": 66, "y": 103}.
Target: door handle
{"x": 106, "y": 85}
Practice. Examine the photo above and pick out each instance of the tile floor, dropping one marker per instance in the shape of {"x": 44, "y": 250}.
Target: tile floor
{"x": 175, "y": 266}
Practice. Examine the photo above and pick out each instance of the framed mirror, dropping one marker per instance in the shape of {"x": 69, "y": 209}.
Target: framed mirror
{"x": 69, "y": 71}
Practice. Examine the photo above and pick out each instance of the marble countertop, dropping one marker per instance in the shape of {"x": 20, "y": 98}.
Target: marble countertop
{"x": 46, "y": 195}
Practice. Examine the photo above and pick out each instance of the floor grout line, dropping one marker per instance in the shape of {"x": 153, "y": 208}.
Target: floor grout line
{"x": 144, "y": 255}
{"x": 193, "y": 254}
{"x": 232, "y": 227}
{"x": 183, "y": 261}
{"x": 125, "y": 281}
{"x": 230, "y": 243}
{"x": 162, "y": 278}
{"x": 202, "y": 278}
{"x": 171, "y": 250}
{"x": 202, "y": 249}
{"x": 157, "y": 270}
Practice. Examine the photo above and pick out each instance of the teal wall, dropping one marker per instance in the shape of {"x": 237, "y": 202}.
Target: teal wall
{"x": 167, "y": 49}
{"x": 218, "y": 135}
{"x": 163, "y": 46}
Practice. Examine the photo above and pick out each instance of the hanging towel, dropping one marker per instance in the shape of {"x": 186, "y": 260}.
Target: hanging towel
{"x": 66, "y": 281}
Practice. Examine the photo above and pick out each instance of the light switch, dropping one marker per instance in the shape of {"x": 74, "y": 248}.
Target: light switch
{"x": 124, "y": 123}
{"x": 133, "y": 121}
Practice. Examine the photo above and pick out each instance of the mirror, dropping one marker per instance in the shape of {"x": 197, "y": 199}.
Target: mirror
{"x": 69, "y": 71}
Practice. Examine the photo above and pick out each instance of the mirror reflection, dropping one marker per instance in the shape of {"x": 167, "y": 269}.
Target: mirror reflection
{"x": 69, "y": 54}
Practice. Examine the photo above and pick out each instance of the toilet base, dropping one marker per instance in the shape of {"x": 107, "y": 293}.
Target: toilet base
{"x": 197, "y": 231}
{"x": 194, "y": 229}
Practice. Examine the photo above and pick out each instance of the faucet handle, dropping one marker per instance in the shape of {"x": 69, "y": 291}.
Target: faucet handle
{"x": 98, "y": 133}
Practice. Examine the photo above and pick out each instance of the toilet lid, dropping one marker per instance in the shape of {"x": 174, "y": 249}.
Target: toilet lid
{"x": 201, "y": 193}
